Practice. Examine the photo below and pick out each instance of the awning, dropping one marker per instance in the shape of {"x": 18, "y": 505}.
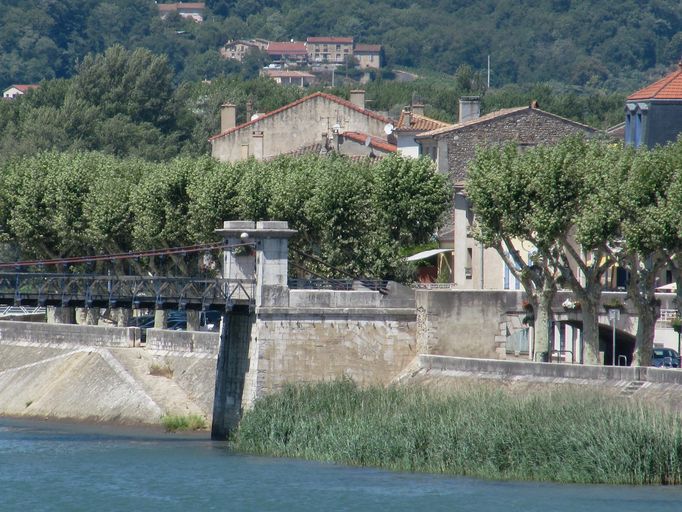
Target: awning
{"x": 671, "y": 288}
{"x": 426, "y": 254}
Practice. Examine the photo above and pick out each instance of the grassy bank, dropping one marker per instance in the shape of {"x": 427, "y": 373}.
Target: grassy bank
{"x": 569, "y": 437}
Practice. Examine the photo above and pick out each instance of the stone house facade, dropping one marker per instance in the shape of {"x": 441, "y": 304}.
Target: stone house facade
{"x": 237, "y": 50}
{"x": 369, "y": 56}
{"x": 319, "y": 118}
{"x": 452, "y": 148}
{"x": 333, "y": 50}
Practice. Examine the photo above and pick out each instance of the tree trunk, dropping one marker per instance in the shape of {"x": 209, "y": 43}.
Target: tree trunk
{"x": 543, "y": 318}
{"x": 590, "y": 309}
{"x": 646, "y": 327}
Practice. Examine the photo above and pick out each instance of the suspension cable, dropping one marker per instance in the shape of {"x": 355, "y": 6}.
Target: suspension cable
{"x": 126, "y": 255}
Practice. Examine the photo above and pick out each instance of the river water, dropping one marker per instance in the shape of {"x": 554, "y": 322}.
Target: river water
{"x": 60, "y": 467}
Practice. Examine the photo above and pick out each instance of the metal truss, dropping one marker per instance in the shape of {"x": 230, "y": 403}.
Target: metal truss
{"x": 87, "y": 290}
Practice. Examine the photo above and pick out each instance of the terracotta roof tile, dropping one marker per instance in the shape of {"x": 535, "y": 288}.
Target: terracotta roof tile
{"x": 367, "y": 48}
{"x": 419, "y": 123}
{"x": 24, "y": 87}
{"x": 375, "y": 142}
{"x": 319, "y": 149}
{"x": 667, "y": 88}
{"x": 286, "y": 48}
{"x": 328, "y": 97}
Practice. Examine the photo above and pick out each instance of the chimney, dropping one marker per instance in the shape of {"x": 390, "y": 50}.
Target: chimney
{"x": 249, "y": 109}
{"x": 357, "y": 98}
{"x": 407, "y": 118}
{"x": 257, "y": 144}
{"x": 228, "y": 116}
{"x": 469, "y": 108}
{"x": 418, "y": 109}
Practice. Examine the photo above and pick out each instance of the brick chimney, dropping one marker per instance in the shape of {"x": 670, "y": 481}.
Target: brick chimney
{"x": 357, "y": 98}
{"x": 228, "y": 116}
{"x": 418, "y": 109}
{"x": 469, "y": 108}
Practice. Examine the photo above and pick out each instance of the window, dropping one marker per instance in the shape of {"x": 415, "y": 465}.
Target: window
{"x": 638, "y": 129}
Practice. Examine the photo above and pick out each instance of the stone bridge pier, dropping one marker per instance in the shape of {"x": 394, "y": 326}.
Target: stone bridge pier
{"x": 259, "y": 251}
{"x": 302, "y": 335}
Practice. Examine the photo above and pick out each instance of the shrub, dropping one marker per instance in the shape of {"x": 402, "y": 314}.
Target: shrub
{"x": 176, "y": 423}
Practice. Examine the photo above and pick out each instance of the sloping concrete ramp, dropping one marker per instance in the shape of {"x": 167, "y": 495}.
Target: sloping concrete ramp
{"x": 88, "y": 384}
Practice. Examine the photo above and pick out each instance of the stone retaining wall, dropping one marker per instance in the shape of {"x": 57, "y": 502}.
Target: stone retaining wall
{"x": 182, "y": 341}
{"x": 91, "y": 335}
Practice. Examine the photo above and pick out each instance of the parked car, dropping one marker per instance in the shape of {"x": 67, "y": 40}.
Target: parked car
{"x": 665, "y": 358}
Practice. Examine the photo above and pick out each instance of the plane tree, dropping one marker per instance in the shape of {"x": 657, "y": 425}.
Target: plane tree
{"x": 550, "y": 197}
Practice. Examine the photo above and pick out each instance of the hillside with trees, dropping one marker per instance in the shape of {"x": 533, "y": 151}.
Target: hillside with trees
{"x": 574, "y": 42}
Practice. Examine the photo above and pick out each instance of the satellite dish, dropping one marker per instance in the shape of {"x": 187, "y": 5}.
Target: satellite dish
{"x": 368, "y": 141}
{"x": 388, "y": 129}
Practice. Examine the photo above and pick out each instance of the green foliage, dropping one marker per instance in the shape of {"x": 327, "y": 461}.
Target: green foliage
{"x": 575, "y": 42}
{"x": 69, "y": 204}
{"x": 480, "y": 432}
{"x": 174, "y": 423}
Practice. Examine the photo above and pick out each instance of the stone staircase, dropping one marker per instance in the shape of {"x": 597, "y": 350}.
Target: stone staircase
{"x": 632, "y": 388}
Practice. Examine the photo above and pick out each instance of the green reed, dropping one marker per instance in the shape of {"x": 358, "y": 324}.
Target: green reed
{"x": 572, "y": 436}
{"x": 173, "y": 423}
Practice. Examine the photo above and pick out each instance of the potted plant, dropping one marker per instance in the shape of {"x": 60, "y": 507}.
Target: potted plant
{"x": 676, "y": 324}
{"x": 571, "y": 305}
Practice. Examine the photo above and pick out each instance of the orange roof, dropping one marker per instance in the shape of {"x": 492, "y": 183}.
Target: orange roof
{"x": 23, "y": 87}
{"x": 374, "y": 142}
{"x": 667, "y": 88}
{"x": 419, "y": 123}
{"x": 330, "y": 40}
{"x": 367, "y": 48}
{"x": 324, "y": 95}
{"x": 286, "y": 48}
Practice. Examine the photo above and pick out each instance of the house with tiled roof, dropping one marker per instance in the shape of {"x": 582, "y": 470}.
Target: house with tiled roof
{"x": 292, "y": 51}
{"x": 340, "y": 125}
{"x": 653, "y": 115}
{"x": 237, "y": 50}
{"x": 369, "y": 56}
{"x": 453, "y": 148}
{"x": 188, "y": 10}
{"x": 17, "y": 90}
{"x": 413, "y": 122}
{"x": 333, "y": 50}
{"x": 289, "y": 77}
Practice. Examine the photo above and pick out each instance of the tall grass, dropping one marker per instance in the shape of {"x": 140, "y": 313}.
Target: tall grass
{"x": 569, "y": 437}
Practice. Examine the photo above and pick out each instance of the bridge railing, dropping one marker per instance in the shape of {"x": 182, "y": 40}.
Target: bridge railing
{"x": 84, "y": 290}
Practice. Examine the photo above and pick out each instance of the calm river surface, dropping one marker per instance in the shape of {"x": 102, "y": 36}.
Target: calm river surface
{"x": 58, "y": 467}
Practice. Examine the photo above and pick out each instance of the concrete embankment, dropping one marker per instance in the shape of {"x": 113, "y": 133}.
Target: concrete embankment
{"x": 97, "y": 374}
{"x": 653, "y": 385}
